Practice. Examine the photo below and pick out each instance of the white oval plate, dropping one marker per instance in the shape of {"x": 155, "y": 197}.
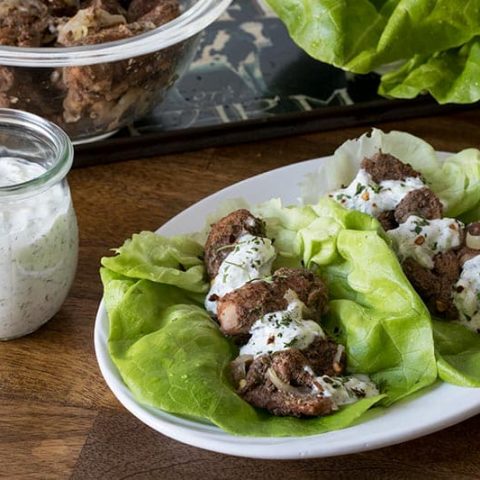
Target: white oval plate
{"x": 433, "y": 409}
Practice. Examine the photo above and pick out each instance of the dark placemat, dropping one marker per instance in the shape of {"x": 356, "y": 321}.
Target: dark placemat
{"x": 249, "y": 81}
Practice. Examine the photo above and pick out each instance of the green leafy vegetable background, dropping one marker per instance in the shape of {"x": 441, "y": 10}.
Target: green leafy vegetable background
{"x": 425, "y": 45}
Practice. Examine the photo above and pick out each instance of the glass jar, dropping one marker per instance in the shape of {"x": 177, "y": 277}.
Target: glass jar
{"x": 38, "y": 227}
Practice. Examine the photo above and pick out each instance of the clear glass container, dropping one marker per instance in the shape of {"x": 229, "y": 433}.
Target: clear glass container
{"x": 38, "y": 227}
{"x": 91, "y": 91}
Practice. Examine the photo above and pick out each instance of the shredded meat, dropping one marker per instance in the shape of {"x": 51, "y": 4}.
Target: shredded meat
{"x": 152, "y": 11}
{"x": 435, "y": 285}
{"x": 90, "y": 98}
{"x": 226, "y": 232}
{"x": 237, "y": 311}
{"x": 383, "y": 166}
{"x": 23, "y": 23}
{"x": 421, "y": 202}
{"x": 301, "y": 396}
{"x": 62, "y": 8}
{"x": 107, "y": 93}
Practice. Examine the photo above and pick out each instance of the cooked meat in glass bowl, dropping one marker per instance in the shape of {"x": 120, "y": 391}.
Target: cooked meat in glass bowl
{"x": 93, "y": 66}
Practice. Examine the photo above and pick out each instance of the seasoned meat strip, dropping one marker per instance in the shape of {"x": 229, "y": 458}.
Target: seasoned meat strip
{"x": 383, "y": 166}
{"x": 435, "y": 285}
{"x": 226, "y": 232}
{"x": 282, "y": 384}
{"x": 237, "y": 311}
{"x": 421, "y": 202}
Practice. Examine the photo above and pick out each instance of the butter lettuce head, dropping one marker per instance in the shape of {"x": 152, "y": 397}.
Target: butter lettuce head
{"x": 435, "y": 42}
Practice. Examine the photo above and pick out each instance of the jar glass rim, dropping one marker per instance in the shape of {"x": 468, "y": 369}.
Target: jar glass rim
{"x": 191, "y": 22}
{"x": 53, "y": 135}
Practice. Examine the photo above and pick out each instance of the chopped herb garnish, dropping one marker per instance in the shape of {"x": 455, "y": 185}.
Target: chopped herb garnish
{"x": 291, "y": 343}
{"x": 360, "y": 189}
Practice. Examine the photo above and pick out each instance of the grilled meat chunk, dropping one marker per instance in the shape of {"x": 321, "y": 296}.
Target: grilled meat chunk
{"x": 326, "y": 357}
{"x": 237, "y": 311}
{"x": 282, "y": 384}
{"x": 226, "y": 232}
{"x": 435, "y": 285}
{"x": 387, "y": 220}
{"x": 383, "y": 166}
{"x": 309, "y": 288}
{"x": 421, "y": 202}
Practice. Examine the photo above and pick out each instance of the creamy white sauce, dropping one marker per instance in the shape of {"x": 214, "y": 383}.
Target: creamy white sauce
{"x": 348, "y": 389}
{"x": 251, "y": 259}
{"x": 38, "y": 251}
{"x": 367, "y": 196}
{"x": 421, "y": 239}
{"x": 281, "y": 330}
{"x": 466, "y": 294}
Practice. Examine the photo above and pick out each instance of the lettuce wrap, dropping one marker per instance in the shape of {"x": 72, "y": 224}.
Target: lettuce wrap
{"x": 424, "y": 45}
{"x": 172, "y": 355}
{"x": 456, "y": 180}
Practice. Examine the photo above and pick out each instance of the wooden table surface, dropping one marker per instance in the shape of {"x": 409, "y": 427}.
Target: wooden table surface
{"x": 57, "y": 417}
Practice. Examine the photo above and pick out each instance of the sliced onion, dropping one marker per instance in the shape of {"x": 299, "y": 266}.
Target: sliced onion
{"x": 286, "y": 387}
{"x": 473, "y": 241}
{"x": 338, "y": 355}
{"x": 239, "y": 368}
{"x": 280, "y": 384}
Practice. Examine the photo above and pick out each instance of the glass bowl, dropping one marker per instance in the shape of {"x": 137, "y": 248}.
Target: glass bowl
{"x": 93, "y": 90}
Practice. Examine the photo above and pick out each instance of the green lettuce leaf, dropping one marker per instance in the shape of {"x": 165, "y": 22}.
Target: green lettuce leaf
{"x": 450, "y": 76}
{"x": 436, "y": 42}
{"x": 458, "y": 353}
{"x": 174, "y": 261}
{"x": 172, "y": 356}
{"x": 361, "y": 35}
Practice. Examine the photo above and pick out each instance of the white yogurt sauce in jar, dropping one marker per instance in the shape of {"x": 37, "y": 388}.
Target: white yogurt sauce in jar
{"x": 38, "y": 232}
